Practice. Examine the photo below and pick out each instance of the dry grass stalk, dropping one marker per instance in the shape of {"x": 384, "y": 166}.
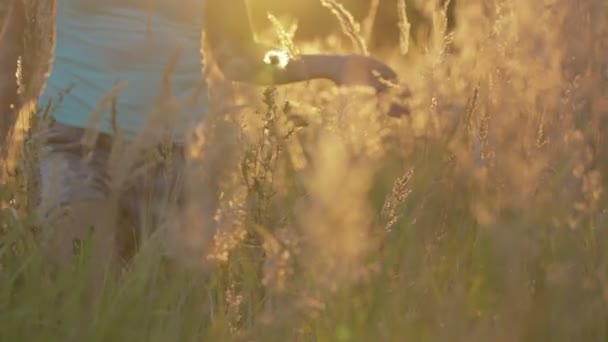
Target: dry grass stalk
{"x": 350, "y": 27}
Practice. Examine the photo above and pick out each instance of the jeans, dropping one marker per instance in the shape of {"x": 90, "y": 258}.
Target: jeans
{"x": 145, "y": 190}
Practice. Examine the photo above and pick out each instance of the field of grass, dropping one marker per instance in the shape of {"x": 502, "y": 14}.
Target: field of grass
{"x": 479, "y": 217}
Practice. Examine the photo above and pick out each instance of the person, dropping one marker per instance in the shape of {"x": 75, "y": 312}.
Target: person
{"x": 97, "y": 67}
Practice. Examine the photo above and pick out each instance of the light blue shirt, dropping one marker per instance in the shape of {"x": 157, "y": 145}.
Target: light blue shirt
{"x": 96, "y": 50}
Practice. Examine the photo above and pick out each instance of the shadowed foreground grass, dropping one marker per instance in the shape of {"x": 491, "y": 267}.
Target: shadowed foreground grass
{"x": 479, "y": 217}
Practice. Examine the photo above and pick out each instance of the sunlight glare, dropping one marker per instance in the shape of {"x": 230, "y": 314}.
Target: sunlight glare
{"x": 279, "y": 58}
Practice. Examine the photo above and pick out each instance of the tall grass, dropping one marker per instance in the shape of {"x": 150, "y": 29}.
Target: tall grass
{"x": 313, "y": 216}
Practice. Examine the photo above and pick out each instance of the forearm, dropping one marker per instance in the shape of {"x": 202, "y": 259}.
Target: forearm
{"x": 254, "y": 65}
{"x": 241, "y": 58}
{"x": 299, "y": 69}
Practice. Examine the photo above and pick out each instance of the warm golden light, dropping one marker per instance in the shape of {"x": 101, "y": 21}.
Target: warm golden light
{"x": 279, "y": 58}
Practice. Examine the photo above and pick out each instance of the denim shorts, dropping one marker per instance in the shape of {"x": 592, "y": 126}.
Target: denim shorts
{"x": 69, "y": 172}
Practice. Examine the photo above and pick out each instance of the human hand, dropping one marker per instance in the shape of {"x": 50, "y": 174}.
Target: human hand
{"x": 363, "y": 70}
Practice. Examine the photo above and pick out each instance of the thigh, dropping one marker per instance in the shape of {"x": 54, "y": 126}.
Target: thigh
{"x": 76, "y": 204}
{"x": 65, "y": 177}
{"x": 153, "y": 197}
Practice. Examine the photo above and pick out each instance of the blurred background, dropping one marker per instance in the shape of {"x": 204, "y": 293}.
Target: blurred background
{"x": 316, "y": 21}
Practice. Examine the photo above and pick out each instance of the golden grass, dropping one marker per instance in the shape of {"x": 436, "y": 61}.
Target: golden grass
{"x": 313, "y": 216}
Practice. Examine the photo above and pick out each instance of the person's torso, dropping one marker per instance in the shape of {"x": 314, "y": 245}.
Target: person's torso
{"x": 102, "y": 43}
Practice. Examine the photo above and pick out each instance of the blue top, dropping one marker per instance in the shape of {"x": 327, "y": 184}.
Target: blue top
{"x": 100, "y": 47}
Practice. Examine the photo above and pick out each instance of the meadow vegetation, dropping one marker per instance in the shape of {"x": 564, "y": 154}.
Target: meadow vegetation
{"x": 313, "y": 216}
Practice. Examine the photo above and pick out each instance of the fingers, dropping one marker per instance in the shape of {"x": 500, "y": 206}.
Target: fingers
{"x": 385, "y": 81}
{"x": 398, "y": 110}
{"x": 395, "y": 104}
{"x": 383, "y": 77}
{"x": 395, "y": 94}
